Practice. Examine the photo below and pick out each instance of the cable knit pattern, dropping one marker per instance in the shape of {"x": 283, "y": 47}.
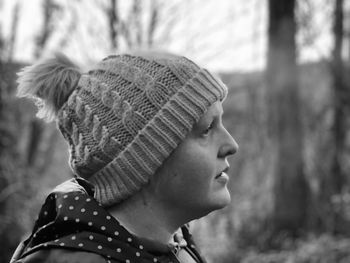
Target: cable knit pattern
{"x": 128, "y": 114}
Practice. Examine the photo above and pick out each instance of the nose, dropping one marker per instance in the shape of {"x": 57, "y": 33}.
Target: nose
{"x": 229, "y": 145}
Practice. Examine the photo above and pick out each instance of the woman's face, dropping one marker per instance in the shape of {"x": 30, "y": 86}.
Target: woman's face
{"x": 191, "y": 181}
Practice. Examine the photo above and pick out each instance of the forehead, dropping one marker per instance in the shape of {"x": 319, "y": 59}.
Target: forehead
{"x": 213, "y": 111}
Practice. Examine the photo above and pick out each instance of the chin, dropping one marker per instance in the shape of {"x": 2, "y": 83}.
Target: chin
{"x": 220, "y": 201}
{"x": 223, "y": 201}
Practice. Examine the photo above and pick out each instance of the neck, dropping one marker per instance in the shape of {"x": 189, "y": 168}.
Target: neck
{"x": 144, "y": 217}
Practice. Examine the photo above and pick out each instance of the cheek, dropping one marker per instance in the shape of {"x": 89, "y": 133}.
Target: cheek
{"x": 187, "y": 176}
{"x": 193, "y": 173}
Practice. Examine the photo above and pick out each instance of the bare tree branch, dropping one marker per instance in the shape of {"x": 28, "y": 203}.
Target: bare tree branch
{"x": 14, "y": 27}
{"x": 113, "y": 23}
{"x": 50, "y": 8}
{"x": 153, "y": 22}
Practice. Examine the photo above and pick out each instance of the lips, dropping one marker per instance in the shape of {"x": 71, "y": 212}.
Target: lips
{"x": 223, "y": 174}
{"x": 222, "y": 178}
{"x": 220, "y": 174}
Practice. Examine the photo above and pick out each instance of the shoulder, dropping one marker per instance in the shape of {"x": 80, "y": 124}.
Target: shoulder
{"x": 62, "y": 256}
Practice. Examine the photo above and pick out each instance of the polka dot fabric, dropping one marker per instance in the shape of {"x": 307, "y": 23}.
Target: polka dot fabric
{"x": 74, "y": 220}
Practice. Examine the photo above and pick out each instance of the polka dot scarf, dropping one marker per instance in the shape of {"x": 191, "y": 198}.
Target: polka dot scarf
{"x": 71, "y": 218}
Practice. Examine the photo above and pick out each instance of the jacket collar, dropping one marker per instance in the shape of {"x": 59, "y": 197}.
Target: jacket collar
{"x": 71, "y": 218}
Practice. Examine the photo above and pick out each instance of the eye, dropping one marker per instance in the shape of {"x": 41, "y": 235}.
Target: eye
{"x": 208, "y": 129}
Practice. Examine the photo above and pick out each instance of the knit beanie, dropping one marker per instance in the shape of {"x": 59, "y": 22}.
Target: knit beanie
{"x": 124, "y": 116}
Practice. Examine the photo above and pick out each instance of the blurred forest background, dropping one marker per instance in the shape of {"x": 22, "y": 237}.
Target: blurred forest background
{"x": 286, "y": 64}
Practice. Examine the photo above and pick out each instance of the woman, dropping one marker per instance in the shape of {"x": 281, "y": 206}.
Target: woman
{"x": 149, "y": 152}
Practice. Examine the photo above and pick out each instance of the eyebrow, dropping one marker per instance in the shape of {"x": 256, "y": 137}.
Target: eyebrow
{"x": 211, "y": 117}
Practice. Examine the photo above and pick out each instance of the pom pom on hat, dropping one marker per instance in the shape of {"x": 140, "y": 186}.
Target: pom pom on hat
{"x": 50, "y": 83}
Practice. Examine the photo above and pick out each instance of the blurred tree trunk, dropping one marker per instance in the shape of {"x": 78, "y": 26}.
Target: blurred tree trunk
{"x": 290, "y": 187}
{"x": 334, "y": 184}
{"x": 10, "y": 227}
{"x": 339, "y": 96}
{"x": 3, "y": 140}
{"x": 8, "y": 145}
